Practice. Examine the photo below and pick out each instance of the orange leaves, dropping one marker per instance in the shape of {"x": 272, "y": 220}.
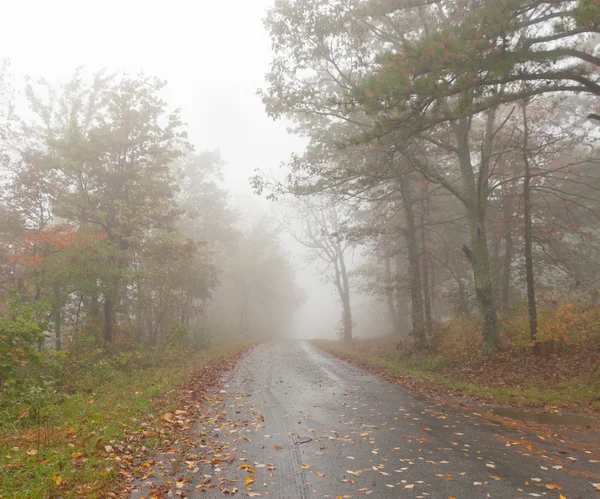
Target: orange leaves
{"x": 38, "y": 247}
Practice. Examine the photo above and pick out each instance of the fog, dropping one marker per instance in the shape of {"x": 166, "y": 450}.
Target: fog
{"x": 387, "y": 241}
{"x": 214, "y": 56}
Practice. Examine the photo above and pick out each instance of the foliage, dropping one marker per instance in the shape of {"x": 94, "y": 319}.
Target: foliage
{"x": 53, "y": 436}
{"x": 455, "y": 132}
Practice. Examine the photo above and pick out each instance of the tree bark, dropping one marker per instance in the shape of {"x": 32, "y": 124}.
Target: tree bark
{"x": 108, "y": 319}
{"x": 345, "y": 294}
{"x": 475, "y": 194}
{"x": 389, "y": 294}
{"x": 347, "y": 318}
{"x": 410, "y": 234}
{"x": 425, "y": 266}
{"x": 479, "y": 257}
{"x": 508, "y": 253}
{"x": 400, "y": 299}
{"x": 57, "y": 316}
{"x": 529, "y": 272}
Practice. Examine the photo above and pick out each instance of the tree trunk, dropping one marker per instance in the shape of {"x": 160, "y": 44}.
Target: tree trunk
{"x": 529, "y": 276}
{"x": 345, "y": 294}
{"x": 508, "y": 254}
{"x": 347, "y": 318}
{"x": 479, "y": 257}
{"x": 57, "y": 316}
{"x": 425, "y": 267}
{"x": 462, "y": 299}
{"x": 475, "y": 198}
{"x": 108, "y": 319}
{"x": 401, "y": 302}
{"x": 389, "y": 294}
{"x": 410, "y": 234}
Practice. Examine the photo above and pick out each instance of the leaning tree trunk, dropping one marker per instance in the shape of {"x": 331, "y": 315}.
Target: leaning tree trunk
{"x": 414, "y": 273}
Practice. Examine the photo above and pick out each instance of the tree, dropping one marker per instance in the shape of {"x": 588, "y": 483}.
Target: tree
{"x": 318, "y": 226}
{"x": 258, "y": 295}
{"x": 112, "y": 154}
{"x": 433, "y": 80}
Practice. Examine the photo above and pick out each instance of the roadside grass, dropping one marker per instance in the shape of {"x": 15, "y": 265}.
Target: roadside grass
{"x": 70, "y": 451}
{"x": 580, "y": 392}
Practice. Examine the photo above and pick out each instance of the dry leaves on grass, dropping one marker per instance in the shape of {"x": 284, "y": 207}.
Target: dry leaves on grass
{"x": 133, "y": 456}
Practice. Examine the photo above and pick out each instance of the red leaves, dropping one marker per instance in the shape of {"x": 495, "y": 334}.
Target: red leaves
{"x": 59, "y": 238}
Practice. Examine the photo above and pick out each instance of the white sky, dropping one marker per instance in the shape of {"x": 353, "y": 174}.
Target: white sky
{"x": 214, "y": 55}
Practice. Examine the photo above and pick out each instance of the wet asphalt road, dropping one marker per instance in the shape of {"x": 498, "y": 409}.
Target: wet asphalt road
{"x": 294, "y": 423}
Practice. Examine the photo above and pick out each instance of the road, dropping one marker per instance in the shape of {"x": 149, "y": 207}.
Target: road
{"x": 294, "y": 423}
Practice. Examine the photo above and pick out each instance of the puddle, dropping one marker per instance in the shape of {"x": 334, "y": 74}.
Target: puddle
{"x": 549, "y": 418}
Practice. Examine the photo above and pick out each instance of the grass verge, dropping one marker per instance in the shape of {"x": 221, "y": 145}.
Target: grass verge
{"x": 75, "y": 449}
{"x": 537, "y": 382}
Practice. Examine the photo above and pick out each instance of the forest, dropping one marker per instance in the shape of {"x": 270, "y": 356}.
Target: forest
{"x": 120, "y": 252}
{"x": 455, "y": 144}
{"x": 450, "y": 177}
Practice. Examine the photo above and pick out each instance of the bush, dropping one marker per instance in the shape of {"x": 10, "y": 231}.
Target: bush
{"x": 573, "y": 325}
{"x": 458, "y": 339}
{"x": 17, "y": 351}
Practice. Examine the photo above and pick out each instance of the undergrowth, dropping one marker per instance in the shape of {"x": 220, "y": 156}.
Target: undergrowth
{"x": 56, "y": 431}
{"x": 564, "y": 373}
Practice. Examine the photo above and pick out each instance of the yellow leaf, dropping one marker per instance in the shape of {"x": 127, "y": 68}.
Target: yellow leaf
{"x": 57, "y": 479}
{"x": 249, "y": 481}
{"x": 305, "y": 466}
{"x": 167, "y": 417}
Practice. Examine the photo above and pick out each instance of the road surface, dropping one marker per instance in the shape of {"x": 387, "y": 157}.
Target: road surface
{"x": 294, "y": 423}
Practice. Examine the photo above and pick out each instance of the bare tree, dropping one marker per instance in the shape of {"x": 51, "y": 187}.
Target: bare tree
{"x": 317, "y": 224}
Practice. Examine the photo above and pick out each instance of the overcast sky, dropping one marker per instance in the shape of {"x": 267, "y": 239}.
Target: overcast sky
{"x": 213, "y": 53}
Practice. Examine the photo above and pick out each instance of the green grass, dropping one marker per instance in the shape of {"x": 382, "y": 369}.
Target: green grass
{"x": 68, "y": 452}
{"x": 430, "y": 371}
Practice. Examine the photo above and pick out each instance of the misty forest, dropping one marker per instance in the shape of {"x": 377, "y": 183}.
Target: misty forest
{"x": 375, "y": 270}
